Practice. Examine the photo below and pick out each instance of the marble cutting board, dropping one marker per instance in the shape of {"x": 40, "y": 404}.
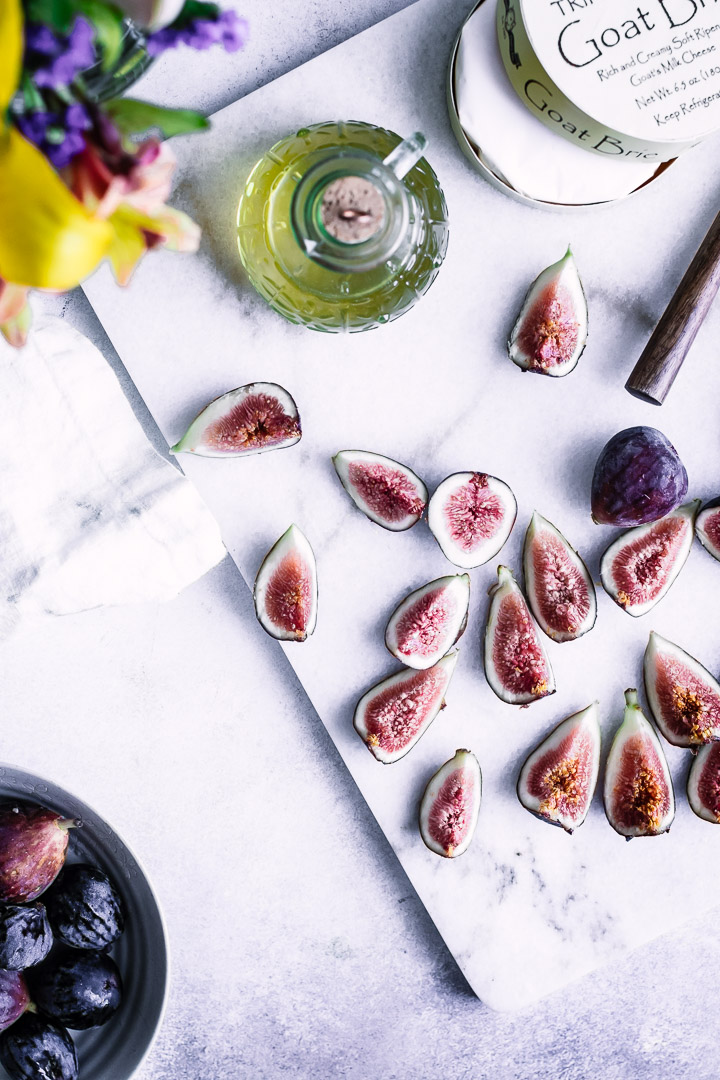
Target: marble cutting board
{"x": 528, "y": 908}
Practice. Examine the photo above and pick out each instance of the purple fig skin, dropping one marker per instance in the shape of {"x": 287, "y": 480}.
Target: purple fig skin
{"x": 638, "y": 478}
{"x": 14, "y": 997}
{"x": 33, "y": 844}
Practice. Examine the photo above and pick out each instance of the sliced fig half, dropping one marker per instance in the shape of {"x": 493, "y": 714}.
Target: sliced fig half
{"x": 639, "y": 797}
{"x": 557, "y": 582}
{"x": 450, "y": 805}
{"x": 551, "y": 330}
{"x": 389, "y": 493}
{"x": 558, "y": 780}
{"x": 707, "y": 527}
{"x": 471, "y": 516}
{"x": 516, "y": 664}
{"x": 286, "y": 592}
{"x": 249, "y": 420}
{"x": 429, "y": 621}
{"x": 703, "y": 784}
{"x": 640, "y": 566}
{"x": 683, "y": 696}
{"x": 392, "y": 715}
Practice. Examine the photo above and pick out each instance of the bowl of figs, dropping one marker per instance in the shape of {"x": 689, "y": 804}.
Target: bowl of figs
{"x": 83, "y": 954}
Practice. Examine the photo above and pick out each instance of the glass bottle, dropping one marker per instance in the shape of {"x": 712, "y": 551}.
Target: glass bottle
{"x": 133, "y": 61}
{"x": 342, "y": 226}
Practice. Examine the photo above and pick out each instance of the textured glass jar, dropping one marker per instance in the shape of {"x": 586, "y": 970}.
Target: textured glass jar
{"x": 101, "y": 85}
{"x": 310, "y": 275}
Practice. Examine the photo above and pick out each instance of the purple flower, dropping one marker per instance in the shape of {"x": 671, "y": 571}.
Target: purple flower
{"x": 39, "y": 38}
{"x": 58, "y": 135}
{"x": 34, "y": 125}
{"x": 55, "y": 59}
{"x": 233, "y": 31}
{"x": 228, "y": 30}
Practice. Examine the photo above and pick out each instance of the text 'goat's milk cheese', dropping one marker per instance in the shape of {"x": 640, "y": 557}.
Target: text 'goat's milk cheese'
{"x": 509, "y": 143}
{"x": 627, "y": 80}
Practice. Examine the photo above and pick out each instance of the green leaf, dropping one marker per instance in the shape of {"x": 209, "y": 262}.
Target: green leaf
{"x": 57, "y": 14}
{"x": 137, "y": 117}
{"x": 196, "y": 9}
{"x": 108, "y": 23}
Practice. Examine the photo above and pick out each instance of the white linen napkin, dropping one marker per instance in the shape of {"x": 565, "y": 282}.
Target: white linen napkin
{"x": 90, "y": 514}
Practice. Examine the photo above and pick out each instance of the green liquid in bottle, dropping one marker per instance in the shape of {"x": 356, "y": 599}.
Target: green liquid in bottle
{"x": 309, "y": 271}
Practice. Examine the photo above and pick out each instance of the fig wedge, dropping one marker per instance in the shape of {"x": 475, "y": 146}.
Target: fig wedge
{"x": 558, "y": 585}
{"x": 558, "y": 779}
{"x": 683, "y": 696}
{"x": 516, "y": 664}
{"x": 640, "y": 566}
{"x": 638, "y": 794}
{"x": 707, "y": 527}
{"x": 428, "y": 622}
{"x": 33, "y": 845}
{"x": 703, "y": 783}
{"x": 471, "y": 516}
{"x": 551, "y": 329}
{"x": 391, "y": 716}
{"x": 249, "y": 420}
{"x": 389, "y": 493}
{"x": 286, "y": 592}
{"x": 450, "y": 806}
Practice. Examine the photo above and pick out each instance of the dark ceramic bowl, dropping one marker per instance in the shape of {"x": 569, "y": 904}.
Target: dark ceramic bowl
{"x": 115, "y": 1051}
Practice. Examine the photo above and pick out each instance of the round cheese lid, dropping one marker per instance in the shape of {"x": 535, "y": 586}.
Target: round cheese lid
{"x": 526, "y": 157}
{"x": 623, "y": 79}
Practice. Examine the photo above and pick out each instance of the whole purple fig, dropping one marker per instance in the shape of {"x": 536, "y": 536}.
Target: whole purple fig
{"x": 14, "y": 997}
{"x": 33, "y": 843}
{"x": 638, "y": 477}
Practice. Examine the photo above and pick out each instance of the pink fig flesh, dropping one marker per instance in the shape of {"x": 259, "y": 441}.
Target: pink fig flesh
{"x": 393, "y": 714}
{"x": 640, "y": 566}
{"x": 33, "y": 843}
{"x": 389, "y": 493}
{"x": 386, "y": 491}
{"x": 450, "y": 806}
{"x": 707, "y": 528}
{"x": 474, "y": 513}
{"x": 639, "y": 798}
{"x": 683, "y": 695}
{"x": 559, "y": 587}
{"x": 14, "y": 998}
{"x": 516, "y": 665}
{"x": 285, "y": 590}
{"x": 703, "y": 786}
{"x": 248, "y": 420}
{"x": 289, "y": 595}
{"x": 550, "y": 333}
{"x": 558, "y": 779}
{"x": 429, "y": 621}
{"x": 471, "y": 516}
{"x": 259, "y": 420}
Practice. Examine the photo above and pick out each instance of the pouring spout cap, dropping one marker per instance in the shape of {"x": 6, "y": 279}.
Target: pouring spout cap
{"x": 406, "y": 154}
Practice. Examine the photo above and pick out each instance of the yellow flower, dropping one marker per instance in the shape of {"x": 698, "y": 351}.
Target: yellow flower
{"x": 48, "y": 240}
{"x": 11, "y": 49}
{"x": 52, "y": 233}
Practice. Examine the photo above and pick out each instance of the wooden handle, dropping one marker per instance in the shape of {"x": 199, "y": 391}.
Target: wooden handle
{"x": 662, "y": 357}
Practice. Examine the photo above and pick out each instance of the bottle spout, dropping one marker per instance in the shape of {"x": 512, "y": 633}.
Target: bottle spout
{"x": 406, "y": 154}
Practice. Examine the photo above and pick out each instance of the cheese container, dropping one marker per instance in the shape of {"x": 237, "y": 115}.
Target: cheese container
{"x": 510, "y": 147}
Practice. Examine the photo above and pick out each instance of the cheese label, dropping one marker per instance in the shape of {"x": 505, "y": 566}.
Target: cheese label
{"x": 621, "y": 79}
